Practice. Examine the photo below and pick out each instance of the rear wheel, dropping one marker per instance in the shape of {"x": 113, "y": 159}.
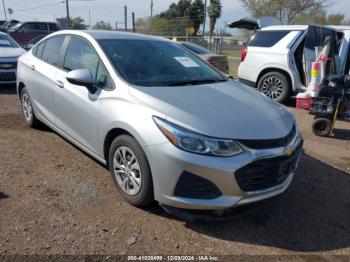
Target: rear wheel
{"x": 27, "y": 109}
{"x": 130, "y": 170}
{"x": 274, "y": 85}
{"x": 322, "y": 127}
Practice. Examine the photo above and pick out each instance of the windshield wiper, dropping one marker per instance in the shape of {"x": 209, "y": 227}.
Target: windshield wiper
{"x": 196, "y": 82}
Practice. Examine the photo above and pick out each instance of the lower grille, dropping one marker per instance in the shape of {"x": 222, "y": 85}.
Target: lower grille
{"x": 7, "y": 76}
{"x": 193, "y": 186}
{"x": 266, "y": 173}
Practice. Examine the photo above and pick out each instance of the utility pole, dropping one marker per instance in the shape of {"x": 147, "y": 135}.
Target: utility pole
{"x": 126, "y": 18}
{"x": 133, "y": 22}
{"x": 205, "y": 16}
{"x": 89, "y": 20}
{"x": 151, "y": 15}
{"x": 68, "y": 18}
{"x": 151, "y": 9}
{"x": 3, "y": 4}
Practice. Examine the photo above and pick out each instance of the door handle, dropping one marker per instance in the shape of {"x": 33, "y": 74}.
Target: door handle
{"x": 59, "y": 83}
{"x": 32, "y": 67}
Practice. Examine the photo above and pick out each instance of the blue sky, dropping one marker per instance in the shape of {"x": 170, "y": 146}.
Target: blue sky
{"x": 113, "y": 10}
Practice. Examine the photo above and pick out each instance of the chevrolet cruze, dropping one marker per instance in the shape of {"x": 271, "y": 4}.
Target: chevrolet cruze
{"x": 169, "y": 126}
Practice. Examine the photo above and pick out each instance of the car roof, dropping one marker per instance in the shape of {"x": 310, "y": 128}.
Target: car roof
{"x": 302, "y": 27}
{"x": 2, "y": 33}
{"x": 105, "y": 34}
{"x": 285, "y": 27}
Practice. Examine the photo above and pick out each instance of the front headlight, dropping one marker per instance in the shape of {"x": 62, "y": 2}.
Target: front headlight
{"x": 192, "y": 142}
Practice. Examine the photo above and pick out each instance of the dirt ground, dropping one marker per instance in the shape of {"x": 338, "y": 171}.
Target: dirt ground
{"x": 56, "y": 200}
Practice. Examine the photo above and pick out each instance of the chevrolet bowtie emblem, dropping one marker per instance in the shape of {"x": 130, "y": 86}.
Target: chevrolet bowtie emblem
{"x": 288, "y": 151}
{"x": 5, "y": 66}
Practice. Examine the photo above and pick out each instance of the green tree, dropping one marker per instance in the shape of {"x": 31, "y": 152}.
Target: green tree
{"x": 287, "y": 11}
{"x": 183, "y": 14}
{"x": 214, "y": 12}
{"x": 101, "y": 25}
{"x": 197, "y": 13}
{"x": 77, "y": 23}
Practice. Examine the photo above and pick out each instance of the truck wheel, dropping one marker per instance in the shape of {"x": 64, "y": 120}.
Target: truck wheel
{"x": 322, "y": 127}
{"x": 275, "y": 85}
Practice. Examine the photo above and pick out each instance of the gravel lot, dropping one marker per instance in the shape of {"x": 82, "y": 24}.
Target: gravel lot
{"x": 54, "y": 199}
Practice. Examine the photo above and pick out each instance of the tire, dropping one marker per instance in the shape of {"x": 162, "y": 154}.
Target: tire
{"x": 28, "y": 110}
{"x": 133, "y": 179}
{"x": 275, "y": 85}
{"x": 322, "y": 127}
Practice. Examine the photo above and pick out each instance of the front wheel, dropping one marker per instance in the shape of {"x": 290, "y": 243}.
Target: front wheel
{"x": 274, "y": 85}
{"x": 130, "y": 170}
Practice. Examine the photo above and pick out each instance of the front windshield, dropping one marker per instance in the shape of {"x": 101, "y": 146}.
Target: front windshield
{"x": 15, "y": 27}
{"x": 6, "y": 41}
{"x": 157, "y": 63}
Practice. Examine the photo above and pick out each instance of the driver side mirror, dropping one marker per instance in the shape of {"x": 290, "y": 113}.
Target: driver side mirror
{"x": 82, "y": 77}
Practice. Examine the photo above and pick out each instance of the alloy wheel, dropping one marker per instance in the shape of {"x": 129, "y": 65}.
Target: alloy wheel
{"x": 127, "y": 170}
{"x": 27, "y": 107}
{"x": 272, "y": 87}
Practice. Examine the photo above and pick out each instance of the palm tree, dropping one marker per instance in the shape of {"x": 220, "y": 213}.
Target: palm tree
{"x": 214, "y": 12}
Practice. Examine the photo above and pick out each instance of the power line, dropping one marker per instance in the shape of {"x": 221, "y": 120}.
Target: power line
{"x": 37, "y": 7}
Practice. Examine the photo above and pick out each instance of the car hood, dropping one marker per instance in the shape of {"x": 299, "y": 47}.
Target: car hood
{"x": 11, "y": 52}
{"x": 224, "y": 110}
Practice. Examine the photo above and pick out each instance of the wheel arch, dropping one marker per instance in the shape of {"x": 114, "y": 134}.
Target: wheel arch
{"x": 110, "y": 136}
{"x": 20, "y": 87}
{"x": 279, "y": 70}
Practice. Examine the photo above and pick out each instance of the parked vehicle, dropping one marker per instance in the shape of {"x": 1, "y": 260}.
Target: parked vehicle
{"x": 5, "y": 25}
{"x": 32, "y": 42}
{"x": 218, "y": 61}
{"x": 9, "y": 53}
{"x": 25, "y": 32}
{"x": 277, "y": 59}
{"x": 176, "y": 130}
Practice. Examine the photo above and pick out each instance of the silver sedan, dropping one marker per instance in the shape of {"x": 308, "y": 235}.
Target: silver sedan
{"x": 176, "y": 130}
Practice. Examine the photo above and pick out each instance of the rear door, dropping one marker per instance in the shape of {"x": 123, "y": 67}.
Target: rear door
{"x": 42, "y": 78}
{"x": 321, "y": 38}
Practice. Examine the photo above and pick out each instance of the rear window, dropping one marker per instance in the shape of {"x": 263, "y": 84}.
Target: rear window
{"x": 267, "y": 38}
{"x": 195, "y": 48}
{"x": 51, "y": 53}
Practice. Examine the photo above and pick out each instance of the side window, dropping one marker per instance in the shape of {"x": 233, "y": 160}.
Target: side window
{"x": 27, "y": 28}
{"x": 40, "y": 49}
{"x": 266, "y": 38}
{"x": 101, "y": 75}
{"x": 51, "y": 53}
{"x": 80, "y": 55}
{"x": 34, "y": 50}
{"x": 34, "y": 28}
{"x": 52, "y": 27}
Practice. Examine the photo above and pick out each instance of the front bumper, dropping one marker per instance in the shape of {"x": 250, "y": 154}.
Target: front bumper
{"x": 169, "y": 163}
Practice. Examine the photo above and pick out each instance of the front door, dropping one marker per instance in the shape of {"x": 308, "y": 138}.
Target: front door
{"x": 77, "y": 108}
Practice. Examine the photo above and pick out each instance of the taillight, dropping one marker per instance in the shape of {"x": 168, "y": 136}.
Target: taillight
{"x": 213, "y": 62}
{"x": 244, "y": 53}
